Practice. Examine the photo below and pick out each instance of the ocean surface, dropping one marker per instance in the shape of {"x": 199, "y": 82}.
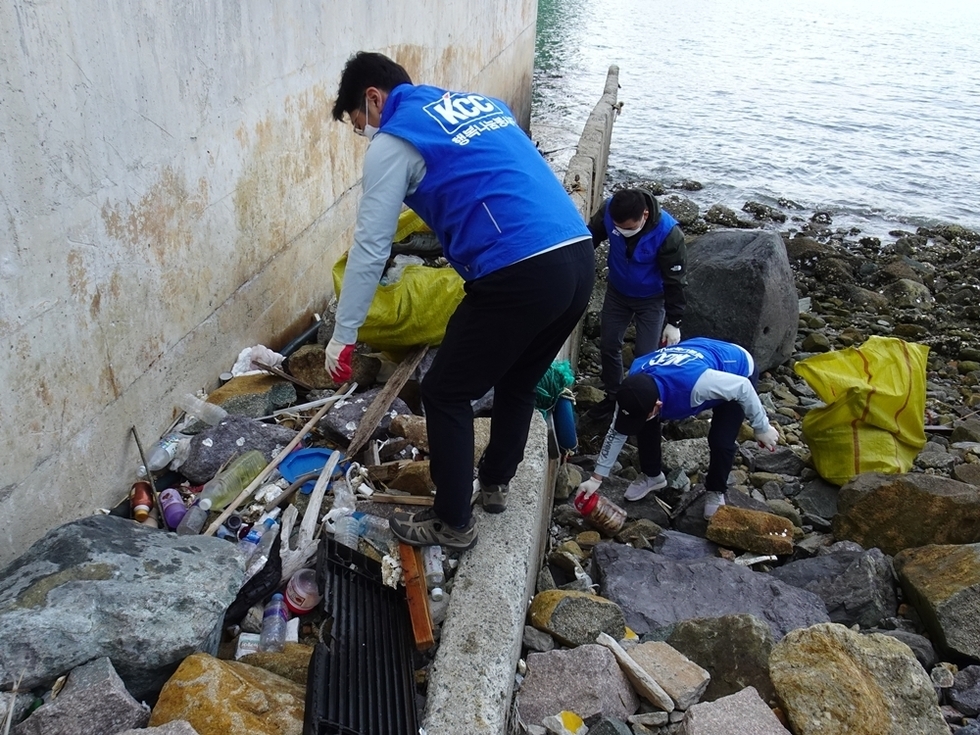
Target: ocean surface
{"x": 868, "y": 109}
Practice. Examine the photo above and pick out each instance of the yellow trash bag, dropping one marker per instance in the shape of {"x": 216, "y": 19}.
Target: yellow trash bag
{"x": 412, "y": 311}
{"x": 874, "y": 420}
{"x": 408, "y": 224}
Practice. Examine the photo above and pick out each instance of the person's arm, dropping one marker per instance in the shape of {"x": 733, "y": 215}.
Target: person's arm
{"x": 672, "y": 259}
{"x": 597, "y": 226}
{"x": 393, "y": 169}
{"x": 716, "y": 385}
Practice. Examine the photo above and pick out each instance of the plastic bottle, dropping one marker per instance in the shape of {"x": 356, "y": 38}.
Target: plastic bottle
{"x": 226, "y": 486}
{"x": 247, "y": 546}
{"x": 140, "y": 500}
{"x": 261, "y": 554}
{"x": 274, "y": 620}
{"x": 346, "y": 530}
{"x": 193, "y": 520}
{"x": 162, "y": 453}
{"x": 600, "y": 512}
{"x": 435, "y": 577}
{"x": 302, "y": 593}
{"x": 374, "y": 528}
{"x": 209, "y": 413}
{"x": 172, "y": 507}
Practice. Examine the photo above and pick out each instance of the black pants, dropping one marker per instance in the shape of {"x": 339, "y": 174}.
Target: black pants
{"x": 726, "y": 420}
{"x": 504, "y": 335}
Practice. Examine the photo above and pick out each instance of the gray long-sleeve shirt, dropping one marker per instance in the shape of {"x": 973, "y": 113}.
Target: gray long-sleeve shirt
{"x": 393, "y": 169}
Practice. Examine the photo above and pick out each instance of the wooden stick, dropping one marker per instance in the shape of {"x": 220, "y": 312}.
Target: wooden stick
{"x": 404, "y": 499}
{"x": 388, "y": 394}
{"x": 260, "y": 478}
{"x": 417, "y": 594}
{"x": 278, "y": 372}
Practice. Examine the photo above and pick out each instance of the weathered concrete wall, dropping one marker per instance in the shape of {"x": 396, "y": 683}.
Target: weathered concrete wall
{"x": 172, "y": 190}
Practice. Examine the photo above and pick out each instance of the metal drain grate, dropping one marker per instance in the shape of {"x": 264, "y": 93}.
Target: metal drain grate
{"x": 362, "y": 682}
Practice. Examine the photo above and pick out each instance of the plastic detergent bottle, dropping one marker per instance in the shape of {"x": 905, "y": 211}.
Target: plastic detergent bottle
{"x": 226, "y": 486}
{"x": 172, "y": 507}
{"x": 600, "y": 512}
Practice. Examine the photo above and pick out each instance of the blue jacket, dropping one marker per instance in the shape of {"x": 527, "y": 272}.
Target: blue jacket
{"x": 677, "y": 370}
{"x": 488, "y": 195}
{"x": 638, "y": 275}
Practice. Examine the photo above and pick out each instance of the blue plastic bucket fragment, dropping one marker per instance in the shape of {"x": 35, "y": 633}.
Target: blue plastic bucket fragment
{"x": 564, "y": 413}
{"x": 303, "y": 461}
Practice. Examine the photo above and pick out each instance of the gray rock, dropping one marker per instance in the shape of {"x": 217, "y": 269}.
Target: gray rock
{"x": 537, "y": 640}
{"x": 751, "y": 270}
{"x": 586, "y": 680}
{"x": 966, "y": 431}
{"x": 920, "y": 645}
{"x": 609, "y": 726}
{"x": 818, "y": 497}
{"x": 857, "y": 587}
{"x": 654, "y": 591}
{"x": 343, "y": 420}
{"x": 106, "y": 586}
{"x": 965, "y": 692}
{"x": 734, "y": 649}
{"x": 741, "y": 712}
{"x": 14, "y": 706}
{"x": 681, "y": 208}
{"x": 177, "y": 727}
{"x": 235, "y": 435}
{"x": 94, "y": 700}
{"x": 680, "y": 546}
{"x": 782, "y": 461}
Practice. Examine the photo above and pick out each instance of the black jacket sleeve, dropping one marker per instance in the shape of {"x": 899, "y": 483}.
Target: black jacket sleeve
{"x": 672, "y": 259}
{"x": 597, "y": 226}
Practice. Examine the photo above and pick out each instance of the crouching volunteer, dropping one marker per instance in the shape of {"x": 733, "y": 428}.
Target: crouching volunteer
{"x": 509, "y": 229}
{"x": 674, "y": 383}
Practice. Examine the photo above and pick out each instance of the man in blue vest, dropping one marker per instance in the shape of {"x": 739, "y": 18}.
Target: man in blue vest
{"x": 674, "y": 383}
{"x": 647, "y": 276}
{"x": 509, "y": 229}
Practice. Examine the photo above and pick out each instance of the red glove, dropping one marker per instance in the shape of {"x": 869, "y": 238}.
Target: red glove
{"x": 337, "y": 359}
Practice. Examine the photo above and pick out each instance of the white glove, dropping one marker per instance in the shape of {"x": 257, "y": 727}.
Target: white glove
{"x": 337, "y": 360}
{"x": 768, "y": 438}
{"x": 589, "y": 486}
{"x": 671, "y": 336}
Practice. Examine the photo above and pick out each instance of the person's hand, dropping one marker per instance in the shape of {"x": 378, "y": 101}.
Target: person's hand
{"x": 589, "y": 486}
{"x": 671, "y": 336}
{"x": 337, "y": 359}
{"x": 768, "y": 438}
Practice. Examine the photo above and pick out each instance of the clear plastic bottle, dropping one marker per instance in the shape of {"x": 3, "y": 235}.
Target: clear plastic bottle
{"x": 193, "y": 521}
{"x": 209, "y": 413}
{"x": 248, "y": 545}
{"x": 274, "y": 620}
{"x": 162, "y": 453}
{"x": 261, "y": 554}
{"x": 373, "y": 528}
{"x": 226, "y": 486}
{"x": 600, "y": 512}
{"x": 172, "y": 507}
{"x": 435, "y": 576}
{"x": 346, "y": 530}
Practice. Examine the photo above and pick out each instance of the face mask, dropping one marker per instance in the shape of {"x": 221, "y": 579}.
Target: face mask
{"x": 368, "y": 131}
{"x": 630, "y": 233}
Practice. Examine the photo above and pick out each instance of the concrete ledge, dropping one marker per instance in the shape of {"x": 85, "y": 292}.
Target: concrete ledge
{"x": 472, "y": 678}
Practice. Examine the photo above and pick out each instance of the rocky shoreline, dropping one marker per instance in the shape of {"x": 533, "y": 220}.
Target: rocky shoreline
{"x": 921, "y": 287}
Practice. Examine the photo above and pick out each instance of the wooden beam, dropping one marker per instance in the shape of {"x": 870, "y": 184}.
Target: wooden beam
{"x": 418, "y": 596}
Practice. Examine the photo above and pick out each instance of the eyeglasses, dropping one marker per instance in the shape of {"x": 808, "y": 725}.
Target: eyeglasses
{"x": 359, "y": 130}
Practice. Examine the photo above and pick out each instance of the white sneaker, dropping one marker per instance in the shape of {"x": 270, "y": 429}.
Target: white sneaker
{"x": 643, "y": 486}
{"x": 712, "y": 502}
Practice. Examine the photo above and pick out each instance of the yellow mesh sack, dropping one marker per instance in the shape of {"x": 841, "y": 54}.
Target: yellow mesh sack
{"x": 408, "y": 224}
{"x": 874, "y": 420}
{"x": 412, "y": 311}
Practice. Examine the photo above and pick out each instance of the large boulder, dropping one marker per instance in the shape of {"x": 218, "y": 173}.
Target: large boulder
{"x": 832, "y": 679}
{"x": 943, "y": 584}
{"x": 107, "y": 586}
{"x": 741, "y": 289}
{"x": 656, "y": 592}
{"x": 896, "y": 512}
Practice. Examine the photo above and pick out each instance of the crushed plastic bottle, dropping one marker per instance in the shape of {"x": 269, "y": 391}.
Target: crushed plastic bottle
{"x": 209, "y": 413}
{"x": 163, "y": 452}
{"x": 260, "y": 556}
{"x": 193, "y": 521}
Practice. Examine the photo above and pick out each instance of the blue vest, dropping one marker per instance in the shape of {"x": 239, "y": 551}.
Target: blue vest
{"x": 676, "y": 369}
{"x": 639, "y": 276}
{"x": 487, "y": 193}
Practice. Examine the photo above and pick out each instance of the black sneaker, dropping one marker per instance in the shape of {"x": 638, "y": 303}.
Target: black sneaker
{"x": 602, "y": 410}
{"x": 425, "y": 528}
{"x": 494, "y": 497}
